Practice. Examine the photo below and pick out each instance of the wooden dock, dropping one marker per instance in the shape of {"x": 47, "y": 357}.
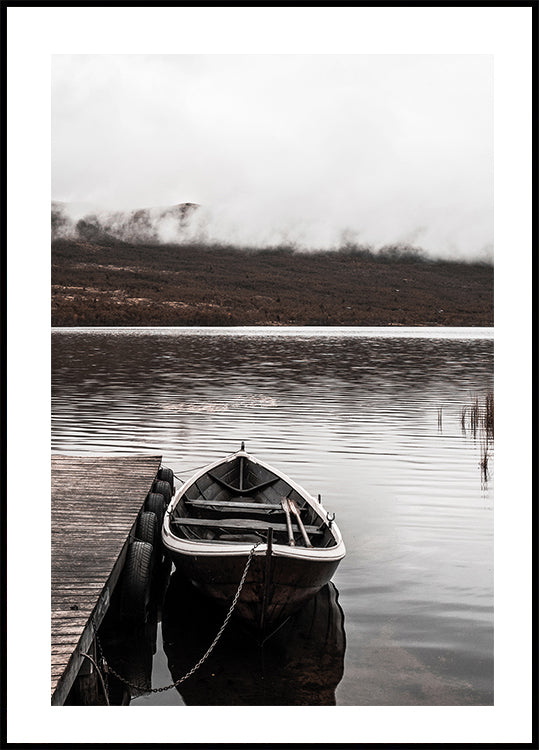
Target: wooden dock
{"x": 95, "y": 503}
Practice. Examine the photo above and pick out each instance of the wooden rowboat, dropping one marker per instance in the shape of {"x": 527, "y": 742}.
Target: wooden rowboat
{"x": 215, "y": 519}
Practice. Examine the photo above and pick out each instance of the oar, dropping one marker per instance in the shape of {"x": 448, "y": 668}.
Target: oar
{"x": 295, "y": 511}
{"x": 286, "y": 508}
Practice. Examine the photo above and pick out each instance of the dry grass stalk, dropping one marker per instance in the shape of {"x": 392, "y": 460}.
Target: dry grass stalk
{"x": 488, "y": 416}
{"x": 478, "y": 418}
{"x": 440, "y": 418}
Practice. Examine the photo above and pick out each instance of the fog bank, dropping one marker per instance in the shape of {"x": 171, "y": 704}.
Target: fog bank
{"x": 311, "y": 150}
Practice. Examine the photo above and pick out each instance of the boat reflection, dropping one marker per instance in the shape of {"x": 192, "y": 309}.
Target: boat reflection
{"x": 300, "y": 664}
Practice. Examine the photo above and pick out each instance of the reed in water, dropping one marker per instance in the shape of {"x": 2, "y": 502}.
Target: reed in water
{"x": 478, "y": 418}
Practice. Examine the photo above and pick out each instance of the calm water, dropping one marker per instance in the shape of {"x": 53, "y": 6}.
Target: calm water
{"x": 354, "y": 416}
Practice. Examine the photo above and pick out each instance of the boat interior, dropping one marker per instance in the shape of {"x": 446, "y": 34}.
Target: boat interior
{"x": 240, "y": 501}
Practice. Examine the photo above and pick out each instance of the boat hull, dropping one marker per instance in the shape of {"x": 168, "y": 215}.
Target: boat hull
{"x": 273, "y": 590}
{"x": 216, "y": 522}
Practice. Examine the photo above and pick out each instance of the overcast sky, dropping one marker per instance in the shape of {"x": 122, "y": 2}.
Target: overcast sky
{"x": 314, "y": 149}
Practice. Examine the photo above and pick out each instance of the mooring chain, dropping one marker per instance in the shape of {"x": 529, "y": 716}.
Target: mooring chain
{"x": 214, "y": 643}
{"x": 100, "y": 658}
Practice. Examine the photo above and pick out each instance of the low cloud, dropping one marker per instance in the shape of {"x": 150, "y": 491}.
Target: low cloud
{"x": 314, "y": 151}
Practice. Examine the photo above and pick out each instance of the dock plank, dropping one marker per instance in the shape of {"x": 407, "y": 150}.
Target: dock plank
{"x": 95, "y": 503}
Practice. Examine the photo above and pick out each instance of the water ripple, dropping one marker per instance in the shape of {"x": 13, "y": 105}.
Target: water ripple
{"x": 353, "y": 417}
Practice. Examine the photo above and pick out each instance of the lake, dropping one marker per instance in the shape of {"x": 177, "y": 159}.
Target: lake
{"x": 371, "y": 419}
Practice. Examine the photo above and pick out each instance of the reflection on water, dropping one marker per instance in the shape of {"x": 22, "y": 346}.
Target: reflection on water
{"x": 373, "y": 423}
{"x": 299, "y": 665}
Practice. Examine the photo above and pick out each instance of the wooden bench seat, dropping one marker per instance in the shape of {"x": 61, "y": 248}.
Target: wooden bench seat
{"x": 233, "y": 505}
{"x": 244, "y": 490}
{"x": 245, "y": 524}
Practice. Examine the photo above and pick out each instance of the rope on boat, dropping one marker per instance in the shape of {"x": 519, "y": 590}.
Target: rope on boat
{"x": 214, "y": 643}
{"x": 193, "y": 468}
{"x": 184, "y": 471}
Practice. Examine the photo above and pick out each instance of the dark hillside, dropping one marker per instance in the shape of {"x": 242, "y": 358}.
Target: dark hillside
{"x": 115, "y": 283}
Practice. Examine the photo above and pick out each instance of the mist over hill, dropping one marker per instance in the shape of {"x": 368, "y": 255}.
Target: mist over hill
{"x": 314, "y": 152}
{"x": 137, "y": 226}
{"x": 194, "y": 225}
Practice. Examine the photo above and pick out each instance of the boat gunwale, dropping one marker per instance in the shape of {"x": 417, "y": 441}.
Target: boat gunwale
{"x": 193, "y": 547}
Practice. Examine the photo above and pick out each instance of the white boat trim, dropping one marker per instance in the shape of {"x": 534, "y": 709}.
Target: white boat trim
{"x": 194, "y": 548}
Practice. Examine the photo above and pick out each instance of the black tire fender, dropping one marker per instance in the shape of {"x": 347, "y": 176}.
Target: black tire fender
{"x": 147, "y": 528}
{"x": 136, "y": 581}
{"x": 155, "y": 503}
{"x": 166, "y": 475}
{"x": 162, "y": 488}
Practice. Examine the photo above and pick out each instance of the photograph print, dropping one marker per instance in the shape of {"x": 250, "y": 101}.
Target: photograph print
{"x": 272, "y": 380}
